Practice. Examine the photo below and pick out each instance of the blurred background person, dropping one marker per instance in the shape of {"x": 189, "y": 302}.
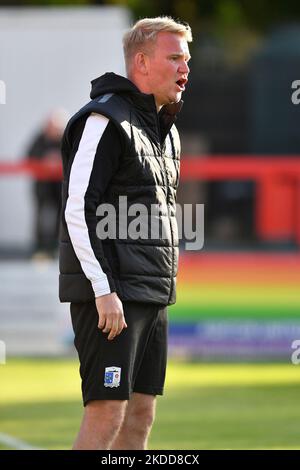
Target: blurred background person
{"x": 47, "y": 193}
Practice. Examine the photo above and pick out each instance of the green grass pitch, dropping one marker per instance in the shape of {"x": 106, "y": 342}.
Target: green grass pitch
{"x": 206, "y": 406}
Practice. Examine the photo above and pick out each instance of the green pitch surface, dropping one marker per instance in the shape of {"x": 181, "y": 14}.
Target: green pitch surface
{"x": 205, "y": 406}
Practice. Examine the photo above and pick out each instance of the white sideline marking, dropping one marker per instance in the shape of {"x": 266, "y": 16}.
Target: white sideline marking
{"x": 11, "y": 441}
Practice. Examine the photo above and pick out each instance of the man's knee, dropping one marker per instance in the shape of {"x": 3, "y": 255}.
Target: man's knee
{"x": 111, "y": 412}
{"x": 142, "y": 415}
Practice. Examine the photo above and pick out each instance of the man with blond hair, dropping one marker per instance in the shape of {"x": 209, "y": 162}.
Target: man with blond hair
{"x": 123, "y": 146}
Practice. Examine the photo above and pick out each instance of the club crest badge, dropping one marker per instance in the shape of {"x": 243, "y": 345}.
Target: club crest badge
{"x": 112, "y": 376}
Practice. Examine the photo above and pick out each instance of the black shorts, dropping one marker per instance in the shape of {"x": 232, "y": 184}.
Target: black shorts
{"x": 134, "y": 361}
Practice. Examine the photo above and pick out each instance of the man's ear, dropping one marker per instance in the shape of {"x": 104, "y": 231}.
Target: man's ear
{"x": 141, "y": 62}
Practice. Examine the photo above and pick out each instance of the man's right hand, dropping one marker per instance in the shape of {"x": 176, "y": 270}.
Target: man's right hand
{"x": 111, "y": 315}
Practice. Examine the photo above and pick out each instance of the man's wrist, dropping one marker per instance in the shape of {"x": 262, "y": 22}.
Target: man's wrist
{"x": 101, "y": 287}
{"x": 104, "y": 295}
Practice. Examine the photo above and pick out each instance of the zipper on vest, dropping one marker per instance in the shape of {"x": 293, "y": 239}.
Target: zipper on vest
{"x": 166, "y": 178}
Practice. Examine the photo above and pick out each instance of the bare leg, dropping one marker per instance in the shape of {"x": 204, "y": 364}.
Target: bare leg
{"x": 101, "y": 422}
{"x": 137, "y": 424}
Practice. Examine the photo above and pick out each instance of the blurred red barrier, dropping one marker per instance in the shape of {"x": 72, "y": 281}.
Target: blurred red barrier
{"x": 37, "y": 169}
{"x": 277, "y": 201}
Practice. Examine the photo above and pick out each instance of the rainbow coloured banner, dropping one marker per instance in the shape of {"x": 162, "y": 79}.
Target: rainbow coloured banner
{"x": 236, "y": 304}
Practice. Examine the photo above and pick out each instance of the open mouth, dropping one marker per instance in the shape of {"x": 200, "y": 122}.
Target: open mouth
{"x": 181, "y": 83}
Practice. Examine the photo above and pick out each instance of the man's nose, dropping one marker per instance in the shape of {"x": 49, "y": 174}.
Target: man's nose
{"x": 184, "y": 68}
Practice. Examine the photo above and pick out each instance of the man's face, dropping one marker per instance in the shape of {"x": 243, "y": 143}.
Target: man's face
{"x": 167, "y": 68}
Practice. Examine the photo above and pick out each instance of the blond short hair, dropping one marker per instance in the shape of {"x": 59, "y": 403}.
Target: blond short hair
{"x": 145, "y": 31}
